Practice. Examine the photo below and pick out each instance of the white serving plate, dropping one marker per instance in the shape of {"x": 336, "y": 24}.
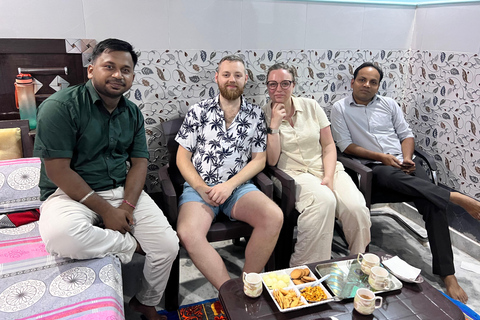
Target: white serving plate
{"x": 297, "y": 289}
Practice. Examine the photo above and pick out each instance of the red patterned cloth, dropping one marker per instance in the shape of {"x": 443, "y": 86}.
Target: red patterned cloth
{"x": 205, "y": 310}
{"x": 16, "y": 219}
{"x": 210, "y": 309}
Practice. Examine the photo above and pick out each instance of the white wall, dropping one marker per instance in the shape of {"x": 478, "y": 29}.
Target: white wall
{"x": 246, "y": 24}
{"x": 42, "y": 19}
{"x": 213, "y": 24}
{"x": 448, "y": 28}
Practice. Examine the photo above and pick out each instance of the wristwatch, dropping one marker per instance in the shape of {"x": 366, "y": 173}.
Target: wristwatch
{"x": 272, "y": 131}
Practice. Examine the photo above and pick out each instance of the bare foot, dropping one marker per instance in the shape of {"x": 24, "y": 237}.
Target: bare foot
{"x": 453, "y": 289}
{"x": 148, "y": 311}
{"x": 471, "y": 205}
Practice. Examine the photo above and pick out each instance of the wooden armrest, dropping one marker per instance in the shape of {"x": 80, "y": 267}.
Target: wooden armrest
{"x": 365, "y": 173}
{"x": 169, "y": 197}
{"x": 264, "y": 184}
{"x": 287, "y": 202}
{"x": 287, "y": 182}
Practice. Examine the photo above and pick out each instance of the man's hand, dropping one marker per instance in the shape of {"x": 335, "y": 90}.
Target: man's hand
{"x": 408, "y": 166}
{"x": 278, "y": 114}
{"x": 118, "y": 219}
{"x": 203, "y": 192}
{"x": 220, "y": 193}
{"x": 390, "y": 160}
{"x": 327, "y": 182}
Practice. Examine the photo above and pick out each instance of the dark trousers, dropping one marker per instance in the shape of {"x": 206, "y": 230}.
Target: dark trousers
{"x": 432, "y": 202}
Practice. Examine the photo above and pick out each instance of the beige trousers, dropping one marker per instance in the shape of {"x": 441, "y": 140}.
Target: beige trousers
{"x": 70, "y": 229}
{"x": 318, "y": 207}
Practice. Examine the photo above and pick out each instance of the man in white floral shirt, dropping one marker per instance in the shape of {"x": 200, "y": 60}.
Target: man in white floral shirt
{"x": 222, "y": 146}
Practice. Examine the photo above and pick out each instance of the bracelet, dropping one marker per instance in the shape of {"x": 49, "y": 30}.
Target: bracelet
{"x": 86, "y": 197}
{"x": 131, "y": 205}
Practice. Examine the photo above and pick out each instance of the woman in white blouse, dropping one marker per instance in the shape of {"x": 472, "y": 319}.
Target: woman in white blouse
{"x": 300, "y": 143}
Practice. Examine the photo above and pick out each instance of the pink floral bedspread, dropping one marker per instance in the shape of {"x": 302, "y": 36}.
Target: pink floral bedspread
{"x": 36, "y": 285}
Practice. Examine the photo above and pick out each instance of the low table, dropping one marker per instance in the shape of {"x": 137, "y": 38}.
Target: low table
{"x": 413, "y": 301}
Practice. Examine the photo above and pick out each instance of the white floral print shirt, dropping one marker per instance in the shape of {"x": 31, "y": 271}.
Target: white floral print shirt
{"x": 220, "y": 153}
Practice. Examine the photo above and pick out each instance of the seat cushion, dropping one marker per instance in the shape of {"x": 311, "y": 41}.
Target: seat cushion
{"x": 11, "y": 143}
{"x": 224, "y": 229}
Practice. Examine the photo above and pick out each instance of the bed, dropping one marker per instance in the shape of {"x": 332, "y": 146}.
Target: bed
{"x": 36, "y": 285}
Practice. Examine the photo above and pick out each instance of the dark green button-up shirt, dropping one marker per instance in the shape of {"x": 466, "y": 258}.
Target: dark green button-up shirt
{"x": 73, "y": 123}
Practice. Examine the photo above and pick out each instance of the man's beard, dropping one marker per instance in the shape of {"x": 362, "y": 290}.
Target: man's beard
{"x": 230, "y": 94}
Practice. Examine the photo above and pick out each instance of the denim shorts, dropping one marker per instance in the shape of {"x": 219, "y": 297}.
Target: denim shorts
{"x": 189, "y": 194}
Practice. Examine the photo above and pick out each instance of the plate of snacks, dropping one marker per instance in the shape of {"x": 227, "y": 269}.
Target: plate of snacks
{"x": 288, "y": 299}
{"x": 291, "y": 289}
{"x": 315, "y": 293}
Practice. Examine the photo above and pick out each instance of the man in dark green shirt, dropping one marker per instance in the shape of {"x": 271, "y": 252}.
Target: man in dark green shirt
{"x": 86, "y": 135}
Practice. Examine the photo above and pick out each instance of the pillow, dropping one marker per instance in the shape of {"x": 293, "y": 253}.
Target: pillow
{"x": 19, "y": 184}
{"x": 11, "y": 143}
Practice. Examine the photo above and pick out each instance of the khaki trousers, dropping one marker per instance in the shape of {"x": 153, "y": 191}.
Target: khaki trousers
{"x": 70, "y": 229}
{"x": 319, "y": 206}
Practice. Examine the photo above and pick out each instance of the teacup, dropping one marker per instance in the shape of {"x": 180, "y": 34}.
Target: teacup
{"x": 252, "y": 284}
{"x": 378, "y": 278}
{"x": 365, "y": 301}
{"x": 369, "y": 260}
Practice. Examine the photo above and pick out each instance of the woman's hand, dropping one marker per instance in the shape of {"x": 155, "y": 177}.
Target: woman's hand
{"x": 327, "y": 181}
{"x": 278, "y": 114}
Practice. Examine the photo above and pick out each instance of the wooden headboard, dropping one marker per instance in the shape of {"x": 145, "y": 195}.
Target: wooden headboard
{"x": 47, "y": 56}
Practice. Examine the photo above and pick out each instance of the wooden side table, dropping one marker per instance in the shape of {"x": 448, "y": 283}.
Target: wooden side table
{"x": 413, "y": 301}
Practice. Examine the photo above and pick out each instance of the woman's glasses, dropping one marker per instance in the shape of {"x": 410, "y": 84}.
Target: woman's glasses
{"x": 285, "y": 84}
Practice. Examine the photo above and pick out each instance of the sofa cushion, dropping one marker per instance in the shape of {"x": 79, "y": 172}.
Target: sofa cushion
{"x": 19, "y": 184}
{"x": 11, "y": 143}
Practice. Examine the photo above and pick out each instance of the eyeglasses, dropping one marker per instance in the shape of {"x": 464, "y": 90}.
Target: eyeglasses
{"x": 285, "y": 84}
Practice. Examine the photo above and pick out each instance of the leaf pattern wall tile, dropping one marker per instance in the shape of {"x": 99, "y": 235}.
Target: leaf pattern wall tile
{"x": 438, "y": 91}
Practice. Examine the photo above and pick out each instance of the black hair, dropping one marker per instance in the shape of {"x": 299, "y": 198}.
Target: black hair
{"x": 114, "y": 45}
{"x": 365, "y": 65}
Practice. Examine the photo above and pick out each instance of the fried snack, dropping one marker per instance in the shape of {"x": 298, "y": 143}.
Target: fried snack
{"x": 306, "y": 272}
{"x": 295, "y": 302}
{"x": 279, "y": 297}
{"x": 313, "y": 293}
{"x": 287, "y": 298}
{"x": 284, "y": 292}
{"x": 296, "y": 274}
{"x": 307, "y": 279}
{"x": 300, "y": 276}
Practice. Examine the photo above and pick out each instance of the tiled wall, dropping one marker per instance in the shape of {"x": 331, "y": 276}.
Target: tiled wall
{"x": 438, "y": 92}
{"x": 443, "y": 98}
